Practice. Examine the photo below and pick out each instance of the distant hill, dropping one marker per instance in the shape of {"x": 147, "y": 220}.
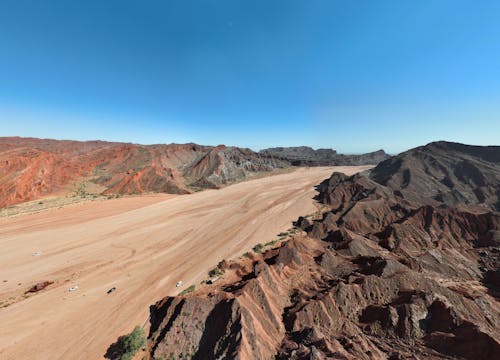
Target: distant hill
{"x": 444, "y": 172}
{"x": 32, "y": 168}
{"x": 306, "y": 156}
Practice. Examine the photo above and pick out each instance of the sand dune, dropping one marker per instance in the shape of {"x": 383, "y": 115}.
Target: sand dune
{"x": 141, "y": 250}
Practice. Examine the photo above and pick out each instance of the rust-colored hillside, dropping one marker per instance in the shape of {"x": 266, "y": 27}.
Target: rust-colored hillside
{"x": 32, "y": 168}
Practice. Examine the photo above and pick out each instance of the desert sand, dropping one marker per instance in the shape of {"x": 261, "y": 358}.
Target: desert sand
{"x": 141, "y": 246}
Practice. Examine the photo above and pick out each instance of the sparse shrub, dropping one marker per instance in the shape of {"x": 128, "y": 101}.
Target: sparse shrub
{"x": 127, "y": 346}
{"x": 188, "y": 290}
{"x": 216, "y": 271}
{"x": 82, "y": 190}
{"x": 259, "y": 248}
{"x": 113, "y": 196}
{"x": 293, "y": 230}
{"x": 271, "y": 243}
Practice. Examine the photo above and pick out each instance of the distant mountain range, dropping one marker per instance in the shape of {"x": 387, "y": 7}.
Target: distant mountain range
{"x": 306, "y": 156}
{"x": 33, "y": 168}
{"x": 403, "y": 263}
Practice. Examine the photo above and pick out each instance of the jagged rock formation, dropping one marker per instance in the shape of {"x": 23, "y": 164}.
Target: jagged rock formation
{"x": 222, "y": 165}
{"x": 31, "y": 168}
{"x": 306, "y": 156}
{"x": 380, "y": 274}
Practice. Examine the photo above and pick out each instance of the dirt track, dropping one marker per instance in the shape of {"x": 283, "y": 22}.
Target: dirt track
{"x": 143, "y": 248}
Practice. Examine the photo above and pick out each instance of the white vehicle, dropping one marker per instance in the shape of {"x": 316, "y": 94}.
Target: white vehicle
{"x": 73, "y": 288}
{"x": 36, "y": 253}
{"x": 179, "y": 283}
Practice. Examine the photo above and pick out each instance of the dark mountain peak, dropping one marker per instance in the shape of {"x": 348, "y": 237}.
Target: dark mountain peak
{"x": 486, "y": 153}
{"x": 380, "y": 152}
{"x": 307, "y": 156}
{"x": 296, "y": 152}
{"x": 445, "y": 172}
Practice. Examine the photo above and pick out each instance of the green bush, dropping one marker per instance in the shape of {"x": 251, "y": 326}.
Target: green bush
{"x": 127, "y": 346}
{"x": 133, "y": 342}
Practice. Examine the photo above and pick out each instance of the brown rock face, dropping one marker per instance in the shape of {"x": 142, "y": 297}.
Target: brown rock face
{"x": 32, "y": 168}
{"x": 377, "y": 276}
{"x": 444, "y": 172}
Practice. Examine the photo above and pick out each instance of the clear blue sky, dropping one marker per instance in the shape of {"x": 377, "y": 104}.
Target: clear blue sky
{"x": 352, "y": 75}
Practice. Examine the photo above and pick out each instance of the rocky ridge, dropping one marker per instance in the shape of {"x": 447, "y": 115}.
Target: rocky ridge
{"x": 306, "y": 156}
{"x": 378, "y": 274}
{"x": 445, "y": 172}
{"x": 33, "y": 168}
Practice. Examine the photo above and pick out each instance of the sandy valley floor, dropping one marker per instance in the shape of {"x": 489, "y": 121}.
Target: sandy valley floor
{"x": 142, "y": 246}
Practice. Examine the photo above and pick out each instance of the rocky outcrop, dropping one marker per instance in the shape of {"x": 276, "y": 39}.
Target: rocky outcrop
{"x": 33, "y": 168}
{"x": 306, "y": 156}
{"x": 39, "y": 286}
{"x": 378, "y": 274}
{"x": 445, "y": 173}
{"x": 222, "y": 165}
